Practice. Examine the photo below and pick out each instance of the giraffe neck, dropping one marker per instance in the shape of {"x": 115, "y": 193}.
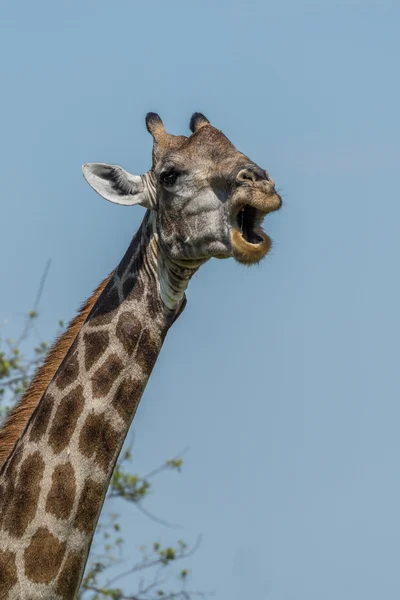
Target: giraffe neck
{"x": 53, "y": 485}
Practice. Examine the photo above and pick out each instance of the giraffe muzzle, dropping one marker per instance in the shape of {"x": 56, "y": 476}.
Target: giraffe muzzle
{"x": 251, "y": 204}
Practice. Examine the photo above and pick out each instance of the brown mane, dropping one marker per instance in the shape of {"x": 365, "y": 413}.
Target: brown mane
{"x": 22, "y": 411}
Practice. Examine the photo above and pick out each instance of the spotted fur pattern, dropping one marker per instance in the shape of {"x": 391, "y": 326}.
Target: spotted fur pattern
{"x": 53, "y": 486}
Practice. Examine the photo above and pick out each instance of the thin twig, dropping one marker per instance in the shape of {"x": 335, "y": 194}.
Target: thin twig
{"x": 165, "y": 465}
{"x": 152, "y": 563}
{"x": 157, "y": 519}
{"x": 28, "y": 322}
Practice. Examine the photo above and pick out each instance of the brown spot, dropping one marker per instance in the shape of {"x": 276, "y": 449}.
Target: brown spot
{"x": 65, "y": 419}
{"x": 100, "y": 439}
{"x": 41, "y": 418}
{"x": 109, "y": 301}
{"x": 20, "y": 500}
{"x": 61, "y": 496}
{"x": 108, "y": 444}
{"x": 128, "y": 331}
{"x": 147, "y": 352}
{"x": 127, "y": 398}
{"x": 90, "y": 433}
{"x": 69, "y": 369}
{"x": 95, "y": 345}
{"x": 105, "y": 376}
{"x": 124, "y": 264}
{"x": 8, "y": 572}
{"x": 43, "y": 556}
{"x": 70, "y": 576}
{"x": 104, "y": 310}
{"x": 90, "y": 503}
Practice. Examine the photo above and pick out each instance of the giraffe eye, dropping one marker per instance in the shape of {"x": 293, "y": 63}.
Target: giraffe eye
{"x": 169, "y": 178}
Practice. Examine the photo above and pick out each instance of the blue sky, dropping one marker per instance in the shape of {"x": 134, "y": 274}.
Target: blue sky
{"x": 283, "y": 379}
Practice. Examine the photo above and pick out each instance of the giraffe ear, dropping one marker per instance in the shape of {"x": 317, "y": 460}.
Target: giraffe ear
{"x": 116, "y": 185}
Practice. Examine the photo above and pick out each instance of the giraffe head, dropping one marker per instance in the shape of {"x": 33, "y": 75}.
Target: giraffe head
{"x": 208, "y": 198}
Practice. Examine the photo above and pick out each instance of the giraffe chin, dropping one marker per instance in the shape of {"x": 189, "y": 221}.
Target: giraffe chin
{"x": 246, "y": 252}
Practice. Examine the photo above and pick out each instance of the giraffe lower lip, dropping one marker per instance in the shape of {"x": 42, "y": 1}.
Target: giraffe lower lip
{"x": 249, "y": 252}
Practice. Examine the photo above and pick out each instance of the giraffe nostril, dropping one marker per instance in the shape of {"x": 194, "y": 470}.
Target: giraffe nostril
{"x": 251, "y": 175}
{"x": 245, "y": 175}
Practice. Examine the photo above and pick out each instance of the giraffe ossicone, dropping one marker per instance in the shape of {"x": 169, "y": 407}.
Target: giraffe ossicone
{"x": 59, "y": 446}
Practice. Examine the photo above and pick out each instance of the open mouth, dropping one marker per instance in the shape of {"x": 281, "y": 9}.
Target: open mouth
{"x": 248, "y": 221}
{"x": 248, "y": 240}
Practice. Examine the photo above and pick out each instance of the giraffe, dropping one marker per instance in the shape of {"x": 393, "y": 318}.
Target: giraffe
{"x": 59, "y": 446}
